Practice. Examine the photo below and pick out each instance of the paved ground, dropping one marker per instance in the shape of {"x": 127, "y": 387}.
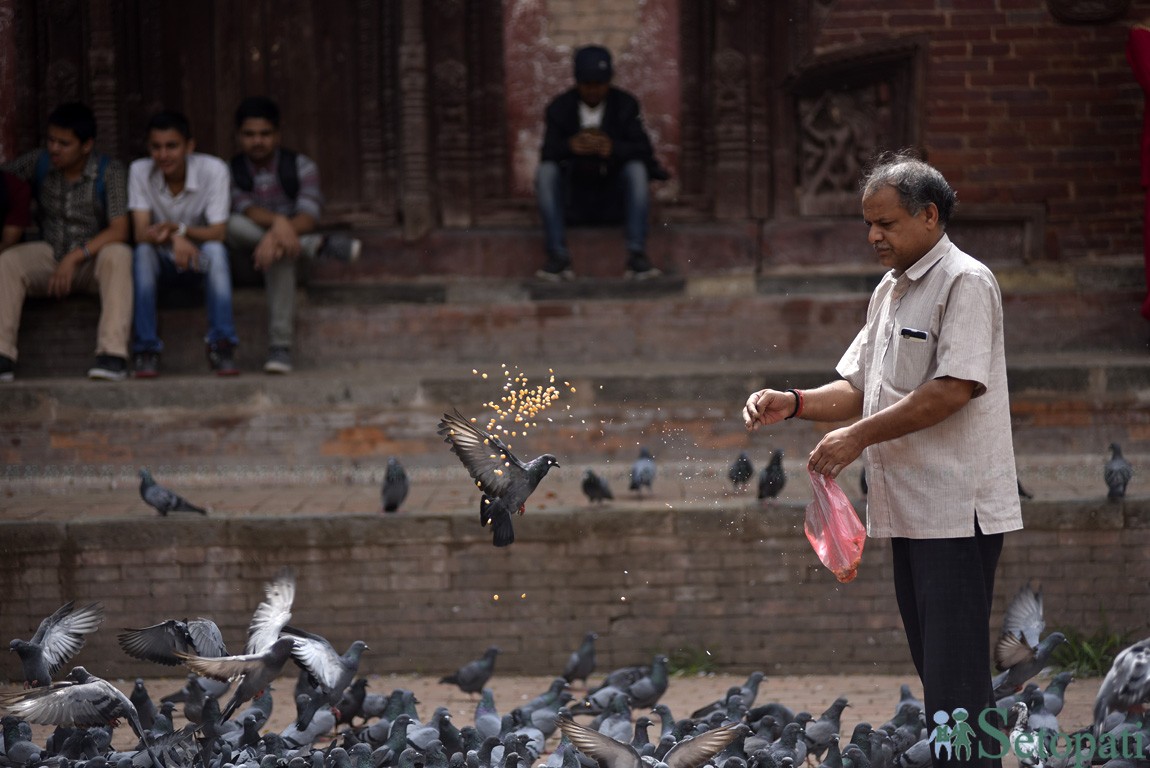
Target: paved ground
{"x": 872, "y": 697}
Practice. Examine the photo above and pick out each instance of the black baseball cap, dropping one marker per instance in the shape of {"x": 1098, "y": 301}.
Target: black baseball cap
{"x": 592, "y": 64}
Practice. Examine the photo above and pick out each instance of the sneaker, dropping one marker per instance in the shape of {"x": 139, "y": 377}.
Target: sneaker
{"x": 7, "y": 368}
{"x": 557, "y": 269}
{"x": 221, "y": 357}
{"x": 109, "y": 368}
{"x": 341, "y": 247}
{"x": 146, "y": 365}
{"x": 279, "y": 360}
{"x": 639, "y": 267}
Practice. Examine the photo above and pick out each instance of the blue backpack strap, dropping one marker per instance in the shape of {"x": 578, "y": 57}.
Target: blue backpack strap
{"x": 43, "y": 166}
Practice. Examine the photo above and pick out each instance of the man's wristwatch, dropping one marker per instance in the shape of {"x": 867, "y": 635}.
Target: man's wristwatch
{"x": 182, "y": 230}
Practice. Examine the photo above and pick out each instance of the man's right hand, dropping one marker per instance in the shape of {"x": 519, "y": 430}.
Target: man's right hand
{"x": 585, "y": 143}
{"x": 185, "y": 254}
{"x": 767, "y": 406}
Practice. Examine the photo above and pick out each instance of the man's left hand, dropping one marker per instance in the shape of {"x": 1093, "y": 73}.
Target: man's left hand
{"x": 60, "y": 283}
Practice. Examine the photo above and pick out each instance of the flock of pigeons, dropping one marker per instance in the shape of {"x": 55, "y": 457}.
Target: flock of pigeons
{"x": 227, "y": 702}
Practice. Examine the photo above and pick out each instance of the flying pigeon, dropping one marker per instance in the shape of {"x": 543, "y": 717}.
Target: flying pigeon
{"x": 506, "y": 482}
{"x": 1013, "y": 678}
{"x": 256, "y": 670}
{"x": 1126, "y": 687}
{"x": 58, "y": 638}
{"x": 741, "y": 472}
{"x": 473, "y": 675}
{"x": 643, "y": 471}
{"x": 1117, "y": 473}
{"x": 1022, "y": 627}
{"x": 772, "y": 478}
{"x": 160, "y": 642}
{"x": 395, "y": 485}
{"x": 331, "y": 672}
{"x": 688, "y": 753}
{"x": 81, "y": 700}
{"x": 581, "y": 663}
{"x": 163, "y": 500}
{"x": 595, "y": 487}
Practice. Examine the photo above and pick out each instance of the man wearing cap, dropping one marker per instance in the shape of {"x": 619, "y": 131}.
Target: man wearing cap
{"x": 595, "y": 166}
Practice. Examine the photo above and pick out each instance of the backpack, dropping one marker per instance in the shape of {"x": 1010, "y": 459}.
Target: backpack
{"x": 287, "y": 171}
{"x": 44, "y": 165}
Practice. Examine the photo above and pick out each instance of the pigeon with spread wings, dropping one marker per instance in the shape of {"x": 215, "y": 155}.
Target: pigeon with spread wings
{"x": 611, "y": 753}
{"x": 506, "y": 482}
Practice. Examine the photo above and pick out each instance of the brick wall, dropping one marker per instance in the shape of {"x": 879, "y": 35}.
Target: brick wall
{"x": 428, "y": 592}
{"x": 1022, "y": 109}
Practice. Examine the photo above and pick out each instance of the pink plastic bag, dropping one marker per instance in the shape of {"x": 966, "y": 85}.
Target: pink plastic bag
{"x": 833, "y": 528}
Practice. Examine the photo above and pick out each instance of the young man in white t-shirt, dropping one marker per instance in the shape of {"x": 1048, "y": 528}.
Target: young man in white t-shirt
{"x": 179, "y": 201}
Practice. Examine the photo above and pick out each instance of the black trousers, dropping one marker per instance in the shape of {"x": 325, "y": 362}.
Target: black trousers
{"x": 945, "y": 588}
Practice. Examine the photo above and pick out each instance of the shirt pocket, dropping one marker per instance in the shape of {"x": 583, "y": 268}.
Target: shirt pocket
{"x": 914, "y": 357}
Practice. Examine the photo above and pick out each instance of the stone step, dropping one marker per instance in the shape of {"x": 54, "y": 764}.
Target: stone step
{"x": 347, "y": 416}
{"x": 720, "y": 316}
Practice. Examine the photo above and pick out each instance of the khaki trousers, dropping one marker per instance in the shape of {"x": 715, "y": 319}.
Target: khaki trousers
{"x": 25, "y": 270}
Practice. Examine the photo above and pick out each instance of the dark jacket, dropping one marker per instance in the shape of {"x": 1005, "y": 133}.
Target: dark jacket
{"x": 622, "y": 122}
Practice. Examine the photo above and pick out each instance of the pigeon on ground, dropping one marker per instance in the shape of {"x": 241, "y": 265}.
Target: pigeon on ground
{"x": 487, "y": 719}
{"x": 160, "y": 642}
{"x": 163, "y": 500}
{"x": 1117, "y": 473}
{"x": 145, "y": 707}
{"x": 504, "y": 480}
{"x": 350, "y": 705}
{"x": 1053, "y": 698}
{"x": 595, "y": 487}
{"x": 748, "y": 691}
{"x": 395, "y": 485}
{"x": 1024, "y": 744}
{"x": 58, "y": 638}
{"x": 643, "y": 471}
{"x": 772, "y": 478}
{"x": 689, "y": 753}
{"x": 645, "y": 692}
{"x": 817, "y": 733}
{"x": 473, "y": 675}
{"x": 581, "y": 663}
{"x": 81, "y": 700}
{"x": 1126, "y": 687}
{"x": 328, "y": 670}
{"x": 741, "y": 472}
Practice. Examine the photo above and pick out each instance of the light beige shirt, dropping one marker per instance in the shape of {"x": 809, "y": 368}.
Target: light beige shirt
{"x": 941, "y": 317}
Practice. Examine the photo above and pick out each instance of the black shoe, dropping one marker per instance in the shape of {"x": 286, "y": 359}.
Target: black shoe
{"x": 109, "y": 368}
{"x": 557, "y": 269}
{"x": 146, "y": 365}
{"x": 221, "y": 357}
{"x": 639, "y": 267}
{"x": 7, "y": 368}
{"x": 341, "y": 247}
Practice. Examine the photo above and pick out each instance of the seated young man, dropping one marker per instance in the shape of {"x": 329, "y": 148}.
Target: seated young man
{"x": 82, "y": 215}
{"x": 276, "y": 207}
{"x": 179, "y": 200}
{"x": 595, "y": 165}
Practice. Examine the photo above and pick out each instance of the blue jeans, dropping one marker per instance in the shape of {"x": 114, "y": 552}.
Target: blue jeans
{"x": 153, "y": 270}
{"x": 551, "y": 195}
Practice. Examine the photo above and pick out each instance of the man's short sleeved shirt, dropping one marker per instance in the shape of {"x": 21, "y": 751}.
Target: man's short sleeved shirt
{"x": 942, "y": 317}
{"x": 204, "y": 200}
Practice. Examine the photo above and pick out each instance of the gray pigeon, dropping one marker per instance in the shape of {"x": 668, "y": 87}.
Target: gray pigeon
{"x": 1126, "y": 687}
{"x": 258, "y": 670}
{"x": 159, "y": 643}
{"x": 473, "y": 675}
{"x": 595, "y": 488}
{"x": 741, "y": 472}
{"x": 1022, "y": 627}
{"x": 81, "y": 700}
{"x": 817, "y": 733}
{"x": 506, "y": 482}
{"x": 1053, "y": 698}
{"x": 1013, "y": 678}
{"x": 688, "y": 753}
{"x": 395, "y": 485}
{"x": 645, "y": 692}
{"x": 329, "y": 671}
{"x": 581, "y": 663}
{"x": 487, "y": 719}
{"x": 1117, "y": 473}
{"x": 643, "y": 471}
{"x": 773, "y": 477}
{"x": 58, "y": 638}
{"x": 163, "y": 500}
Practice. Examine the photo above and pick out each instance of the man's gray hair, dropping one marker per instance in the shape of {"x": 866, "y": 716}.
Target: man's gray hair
{"x": 918, "y": 184}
